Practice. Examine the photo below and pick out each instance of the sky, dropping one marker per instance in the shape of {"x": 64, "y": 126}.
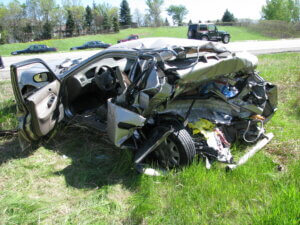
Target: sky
{"x": 198, "y": 9}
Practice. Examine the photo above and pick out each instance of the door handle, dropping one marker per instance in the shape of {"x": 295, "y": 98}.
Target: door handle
{"x": 50, "y": 101}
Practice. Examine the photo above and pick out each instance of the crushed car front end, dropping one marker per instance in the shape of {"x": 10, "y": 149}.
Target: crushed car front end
{"x": 195, "y": 96}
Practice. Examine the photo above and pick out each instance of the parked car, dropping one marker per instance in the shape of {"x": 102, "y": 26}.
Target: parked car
{"x": 166, "y": 99}
{"x": 129, "y": 38}
{"x": 92, "y": 44}
{"x": 35, "y": 49}
{"x": 207, "y": 32}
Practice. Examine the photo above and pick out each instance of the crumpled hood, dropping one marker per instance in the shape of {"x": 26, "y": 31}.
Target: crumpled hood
{"x": 217, "y": 64}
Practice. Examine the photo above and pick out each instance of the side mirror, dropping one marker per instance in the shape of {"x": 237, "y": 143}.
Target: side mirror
{"x": 41, "y": 77}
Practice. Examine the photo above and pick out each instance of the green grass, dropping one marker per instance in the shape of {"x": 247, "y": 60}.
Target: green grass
{"x": 79, "y": 178}
{"x": 7, "y": 107}
{"x": 237, "y": 33}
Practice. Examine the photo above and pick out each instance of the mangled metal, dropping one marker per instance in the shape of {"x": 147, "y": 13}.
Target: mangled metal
{"x": 202, "y": 83}
{"x": 166, "y": 99}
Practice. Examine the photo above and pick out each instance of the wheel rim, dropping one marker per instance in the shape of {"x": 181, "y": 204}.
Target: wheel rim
{"x": 168, "y": 154}
{"x": 204, "y": 38}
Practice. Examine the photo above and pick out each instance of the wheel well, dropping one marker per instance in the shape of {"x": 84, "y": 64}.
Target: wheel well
{"x": 170, "y": 118}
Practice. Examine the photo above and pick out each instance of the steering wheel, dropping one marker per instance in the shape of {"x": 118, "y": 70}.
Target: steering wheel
{"x": 105, "y": 78}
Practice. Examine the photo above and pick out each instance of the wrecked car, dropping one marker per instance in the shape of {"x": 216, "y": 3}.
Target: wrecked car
{"x": 167, "y": 99}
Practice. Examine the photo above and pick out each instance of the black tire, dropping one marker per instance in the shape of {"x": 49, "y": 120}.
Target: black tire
{"x": 177, "y": 150}
{"x": 204, "y": 38}
{"x": 225, "y": 39}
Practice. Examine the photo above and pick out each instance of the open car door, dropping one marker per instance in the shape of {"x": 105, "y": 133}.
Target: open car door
{"x": 37, "y": 97}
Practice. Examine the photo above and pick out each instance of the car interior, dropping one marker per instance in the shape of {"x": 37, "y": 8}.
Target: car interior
{"x": 88, "y": 90}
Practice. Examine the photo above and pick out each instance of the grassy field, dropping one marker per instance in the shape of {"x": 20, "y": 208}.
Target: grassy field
{"x": 237, "y": 33}
{"x": 71, "y": 180}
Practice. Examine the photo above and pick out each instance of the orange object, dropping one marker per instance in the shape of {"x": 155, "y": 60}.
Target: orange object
{"x": 258, "y": 117}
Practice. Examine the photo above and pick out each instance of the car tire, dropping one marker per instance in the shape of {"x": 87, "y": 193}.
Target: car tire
{"x": 226, "y": 39}
{"x": 204, "y": 38}
{"x": 177, "y": 150}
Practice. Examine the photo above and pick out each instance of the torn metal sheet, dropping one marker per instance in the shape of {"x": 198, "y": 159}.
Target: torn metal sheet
{"x": 121, "y": 123}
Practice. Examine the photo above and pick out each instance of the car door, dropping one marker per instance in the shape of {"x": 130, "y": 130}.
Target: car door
{"x": 94, "y": 44}
{"x": 39, "y": 108}
{"x": 30, "y": 49}
{"x": 98, "y": 44}
{"x": 36, "y": 48}
{"x": 212, "y": 32}
{"x": 90, "y": 44}
{"x": 43, "y": 48}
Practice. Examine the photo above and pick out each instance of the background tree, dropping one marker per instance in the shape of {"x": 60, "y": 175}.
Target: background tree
{"x": 3, "y": 24}
{"x": 228, "y": 17}
{"x": 125, "y": 16}
{"x": 154, "y": 11}
{"x": 88, "y": 18}
{"x": 116, "y": 26}
{"x": 285, "y": 10}
{"x": 47, "y": 30}
{"x": 147, "y": 20}
{"x": 138, "y": 17}
{"x": 177, "y": 12}
{"x": 106, "y": 23}
{"x": 78, "y": 13}
{"x": 58, "y": 19}
{"x": 46, "y": 7}
{"x": 167, "y": 22}
{"x": 70, "y": 25}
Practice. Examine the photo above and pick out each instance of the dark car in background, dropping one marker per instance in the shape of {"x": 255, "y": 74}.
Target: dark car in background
{"x": 207, "y": 32}
{"x": 129, "y": 38}
{"x": 92, "y": 44}
{"x": 35, "y": 49}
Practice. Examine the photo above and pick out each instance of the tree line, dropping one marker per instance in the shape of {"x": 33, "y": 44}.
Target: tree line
{"x": 45, "y": 19}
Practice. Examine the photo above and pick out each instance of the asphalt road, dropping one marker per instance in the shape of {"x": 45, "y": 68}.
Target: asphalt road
{"x": 255, "y": 47}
